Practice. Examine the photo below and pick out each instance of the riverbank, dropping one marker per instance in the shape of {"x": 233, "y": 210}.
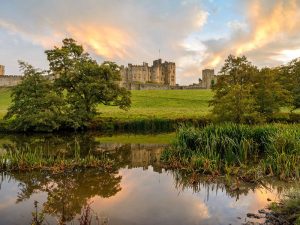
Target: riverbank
{"x": 248, "y": 152}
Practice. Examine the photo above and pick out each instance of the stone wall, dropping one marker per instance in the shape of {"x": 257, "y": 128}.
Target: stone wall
{"x": 10, "y": 80}
{"x": 147, "y": 86}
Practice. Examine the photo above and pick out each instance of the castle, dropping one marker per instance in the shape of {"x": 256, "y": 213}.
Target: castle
{"x": 163, "y": 73}
{"x": 208, "y": 78}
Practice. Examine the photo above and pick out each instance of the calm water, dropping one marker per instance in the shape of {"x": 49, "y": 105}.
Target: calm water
{"x": 138, "y": 191}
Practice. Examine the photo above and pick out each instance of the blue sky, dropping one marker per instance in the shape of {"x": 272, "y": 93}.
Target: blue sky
{"x": 196, "y": 34}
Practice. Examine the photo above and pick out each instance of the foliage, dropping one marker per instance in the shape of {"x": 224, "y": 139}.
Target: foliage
{"x": 268, "y": 92}
{"x": 245, "y": 94}
{"x": 290, "y": 78}
{"x": 268, "y": 149}
{"x": 35, "y": 106}
{"x": 233, "y": 100}
{"x": 80, "y": 84}
{"x": 83, "y": 83}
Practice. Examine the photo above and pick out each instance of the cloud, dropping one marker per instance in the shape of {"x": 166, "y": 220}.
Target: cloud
{"x": 271, "y": 36}
{"x": 124, "y": 31}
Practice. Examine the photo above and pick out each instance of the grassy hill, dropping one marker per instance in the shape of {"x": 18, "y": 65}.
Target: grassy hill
{"x": 171, "y": 104}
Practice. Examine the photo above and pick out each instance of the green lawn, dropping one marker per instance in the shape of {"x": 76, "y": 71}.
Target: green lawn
{"x": 170, "y": 104}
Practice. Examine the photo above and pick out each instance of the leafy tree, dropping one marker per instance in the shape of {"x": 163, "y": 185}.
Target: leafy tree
{"x": 268, "y": 92}
{"x": 84, "y": 83}
{"x": 35, "y": 106}
{"x": 290, "y": 78}
{"x": 233, "y": 100}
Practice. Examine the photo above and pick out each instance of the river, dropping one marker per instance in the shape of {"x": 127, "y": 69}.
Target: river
{"x": 138, "y": 191}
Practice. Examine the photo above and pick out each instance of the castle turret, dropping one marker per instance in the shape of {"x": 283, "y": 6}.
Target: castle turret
{"x": 208, "y": 78}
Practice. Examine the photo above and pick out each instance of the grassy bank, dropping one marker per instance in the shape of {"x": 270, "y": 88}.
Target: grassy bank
{"x": 250, "y": 152}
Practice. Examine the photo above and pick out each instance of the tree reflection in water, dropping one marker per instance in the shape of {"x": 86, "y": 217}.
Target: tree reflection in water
{"x": 70, "y": 191}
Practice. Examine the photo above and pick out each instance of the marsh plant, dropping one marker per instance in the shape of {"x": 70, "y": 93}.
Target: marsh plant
{"x": 289, "y": 207}
{"x": 244, "y": 150}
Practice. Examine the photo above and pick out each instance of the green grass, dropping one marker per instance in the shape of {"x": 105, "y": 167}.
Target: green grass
{"x": 166, "y": 104}
{"x": 4, "y": 101}
{"x": 165, "y": 138}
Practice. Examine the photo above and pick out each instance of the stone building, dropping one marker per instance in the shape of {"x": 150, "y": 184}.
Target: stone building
{"x": 208, "y": 78}
{"x": 163, "y": 73}
{"x": 2, "y": 70}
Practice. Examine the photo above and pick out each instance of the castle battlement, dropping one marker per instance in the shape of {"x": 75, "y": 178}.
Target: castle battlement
{"x": 160, "y": 73}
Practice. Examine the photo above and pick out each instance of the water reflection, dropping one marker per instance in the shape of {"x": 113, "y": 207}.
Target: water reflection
{"x": 137, "y": 190}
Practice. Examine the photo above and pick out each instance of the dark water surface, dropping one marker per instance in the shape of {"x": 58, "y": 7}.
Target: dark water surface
{"x": 137, "y": 191}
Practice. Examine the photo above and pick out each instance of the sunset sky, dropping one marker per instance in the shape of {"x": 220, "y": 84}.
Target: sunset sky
{"x": 195, "y": 34}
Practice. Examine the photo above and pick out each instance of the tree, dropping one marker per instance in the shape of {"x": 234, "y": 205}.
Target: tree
{"x": 35, "y": 106}
{"x": 268, "y": 92}
{"x": 84, "y": 83}
{"x": 233, "y": 100}
{"x": 290, "y": 78}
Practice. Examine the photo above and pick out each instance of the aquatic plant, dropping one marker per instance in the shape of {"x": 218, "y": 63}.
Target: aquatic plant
{"x": 272, "y": 149}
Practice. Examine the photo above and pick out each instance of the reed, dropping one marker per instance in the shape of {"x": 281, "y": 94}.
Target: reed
{"x": 38, "y": 158}
{"x": 272, "y": 149}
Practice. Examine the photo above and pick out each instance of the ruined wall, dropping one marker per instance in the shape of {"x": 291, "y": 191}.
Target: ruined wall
{"x": 10, "y": 80}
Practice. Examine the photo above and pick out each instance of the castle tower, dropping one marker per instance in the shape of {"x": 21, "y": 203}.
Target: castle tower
{"x": 156, "y": 71}
{"x": 2, "y": 70}
{"x": 208, "y": 78}
{"x": 169, "y": 73}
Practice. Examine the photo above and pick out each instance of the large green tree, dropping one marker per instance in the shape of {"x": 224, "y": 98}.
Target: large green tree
{"x": 35, "y": 106}
{"x": 233, "y": 100}
{"x": 290, "y": 78}
{"x": 83, "y": 83}
{"x": 269, "y": 93}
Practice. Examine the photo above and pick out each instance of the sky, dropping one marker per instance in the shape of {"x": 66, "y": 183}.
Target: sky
{"x": 195, "y": 34}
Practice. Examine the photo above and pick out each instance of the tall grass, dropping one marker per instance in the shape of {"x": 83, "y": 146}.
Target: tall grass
{"x": 230, "y": 148}
{"x": 32, "y": 158}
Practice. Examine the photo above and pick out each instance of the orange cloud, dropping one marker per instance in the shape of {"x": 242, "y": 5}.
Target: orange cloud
{"x": 267, "y": 23}
{"x": 106, "y": 41}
